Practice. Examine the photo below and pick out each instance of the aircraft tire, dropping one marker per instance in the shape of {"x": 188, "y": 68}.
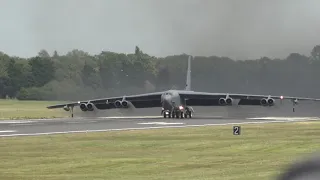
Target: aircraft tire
{"x": 181, "y": 115}
{"x": 185, "y": 115}
{"x": 177, "y": 115}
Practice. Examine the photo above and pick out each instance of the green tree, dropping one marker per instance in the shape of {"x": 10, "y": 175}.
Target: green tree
{"x": 42, "y": 70}
{"x": 315, "y": 53}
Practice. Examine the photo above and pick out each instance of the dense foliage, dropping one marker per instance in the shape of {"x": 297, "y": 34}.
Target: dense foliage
{"x": 79, "y": 75}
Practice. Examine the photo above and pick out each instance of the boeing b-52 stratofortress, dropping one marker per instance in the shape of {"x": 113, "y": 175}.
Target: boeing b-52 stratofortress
{"x": 177, "y": 103}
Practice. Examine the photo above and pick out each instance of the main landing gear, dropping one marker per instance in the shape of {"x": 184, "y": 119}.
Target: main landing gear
{"x": 72, "y": 111}
{"x": 177, "y": 114}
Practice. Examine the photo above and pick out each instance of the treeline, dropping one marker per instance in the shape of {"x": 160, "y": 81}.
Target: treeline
{"x": 79, "y": 75}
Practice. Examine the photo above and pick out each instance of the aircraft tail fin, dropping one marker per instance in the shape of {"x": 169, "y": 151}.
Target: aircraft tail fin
{"x": 188, "y": 81}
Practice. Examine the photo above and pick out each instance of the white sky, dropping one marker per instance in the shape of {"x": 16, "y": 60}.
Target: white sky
{"x": 233, "y": 28}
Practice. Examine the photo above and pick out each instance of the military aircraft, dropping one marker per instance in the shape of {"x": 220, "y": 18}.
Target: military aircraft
{"x": 177, "y": 103}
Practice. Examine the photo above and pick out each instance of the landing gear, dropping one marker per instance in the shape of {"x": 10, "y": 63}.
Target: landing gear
{"x": 188, "y": 113}
{"x": 166, "y": 114}
{"x": 177, "y": 114}
{"x": 71, "y": 111}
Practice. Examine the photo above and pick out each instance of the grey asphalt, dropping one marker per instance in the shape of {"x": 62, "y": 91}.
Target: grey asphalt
{"x": 58, "y": 126}
{"x": 204, "y": 116}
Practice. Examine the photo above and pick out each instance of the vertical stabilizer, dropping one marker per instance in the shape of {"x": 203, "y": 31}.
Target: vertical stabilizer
{"x": 188, "y": 81}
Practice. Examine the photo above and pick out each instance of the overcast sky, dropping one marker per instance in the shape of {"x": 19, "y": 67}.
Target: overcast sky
{"x": 234, "y": 28}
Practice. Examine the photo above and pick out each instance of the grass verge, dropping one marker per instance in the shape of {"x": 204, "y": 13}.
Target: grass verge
{"x": 261, "y": 152}
{"x": 14, "y": 109}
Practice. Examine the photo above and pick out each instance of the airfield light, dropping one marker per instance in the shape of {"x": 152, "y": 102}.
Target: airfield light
{"x": 281, "y": 97}
{"x": 180, "y": 107}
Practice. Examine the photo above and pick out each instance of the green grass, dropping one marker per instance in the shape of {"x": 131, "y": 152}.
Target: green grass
{"x": 14, "y": 109}
{"x": 261, "y": 152}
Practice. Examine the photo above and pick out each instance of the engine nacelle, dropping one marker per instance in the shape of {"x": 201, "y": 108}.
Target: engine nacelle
{"x": 270, "y": 101}
{"x": 295, "y": 102}
{"x": 222, "y": 101}
{"x": 83, "y": 107}
{"x": 264, "y": 102}
{"x": 118, "y": 104}
{"x": 90, "y": 107}
{"x": 66, "y": 108}
{"x": 267, "y": 102}
{"x": 229, "y": 101}
{"x": 125, "y": 104}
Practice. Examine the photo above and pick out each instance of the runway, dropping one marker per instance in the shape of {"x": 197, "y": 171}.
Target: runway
{"x": 11, "y": 128}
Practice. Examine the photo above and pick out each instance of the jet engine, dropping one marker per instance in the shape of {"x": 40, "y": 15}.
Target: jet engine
{"x": 222, "y": 101}
{"x": 83, "y": 107}
{"x": 90, "y": 107}
{"x": 118, "y": 104}
{"x": 125, "y": 104}
{"x": 66, "y": 108}
{"x": 267, "y": 102}
{"x": 229, "y": 101}
{"x": 295, "y": 101}
{"x": 270, "y": 101}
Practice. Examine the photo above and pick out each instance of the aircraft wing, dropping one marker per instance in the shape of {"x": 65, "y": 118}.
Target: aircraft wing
{"x": 206, "y": 99}
{"x": 138, "y": 101}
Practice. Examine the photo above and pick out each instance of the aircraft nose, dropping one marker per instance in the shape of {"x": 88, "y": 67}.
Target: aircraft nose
{"x": 167, "y": 101}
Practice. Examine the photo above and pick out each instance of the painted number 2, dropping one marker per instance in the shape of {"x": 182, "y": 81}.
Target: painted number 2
{"x": 236, "y": 130}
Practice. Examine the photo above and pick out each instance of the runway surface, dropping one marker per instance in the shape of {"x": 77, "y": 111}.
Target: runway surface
{"x": 10, "y": 128}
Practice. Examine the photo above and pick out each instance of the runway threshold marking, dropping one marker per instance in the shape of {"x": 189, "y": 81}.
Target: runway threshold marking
{"x": 146, "y": 128}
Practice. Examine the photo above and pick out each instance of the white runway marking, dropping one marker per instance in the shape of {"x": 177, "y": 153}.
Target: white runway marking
{"x": 129, "y": 117}
{"x": 8, "y": 131}
{"x": 20, "y": 124}
{"x": 145, "y": 128}
{"x": 74, "y": 122}
{"x": 92, "y": 121}
{"x": 15, "y": 121}
{"x": 161, "y": 123}
{"x": 285, "y": 118}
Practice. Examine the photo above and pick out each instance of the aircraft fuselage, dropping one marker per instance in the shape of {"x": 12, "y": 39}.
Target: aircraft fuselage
{"x": 171, "y": 100}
